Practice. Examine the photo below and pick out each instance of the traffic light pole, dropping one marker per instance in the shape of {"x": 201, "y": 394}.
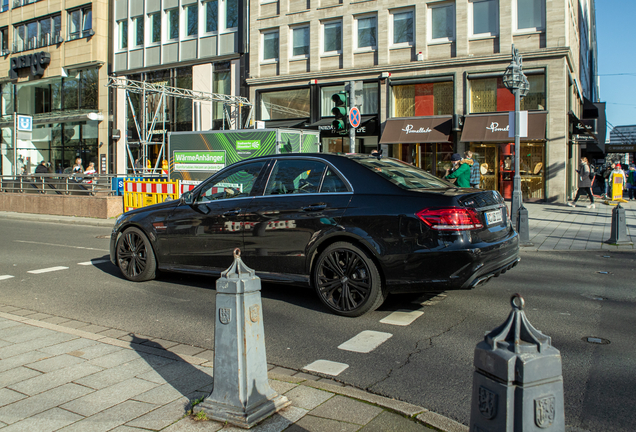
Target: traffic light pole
{"x": 352, "y": 103}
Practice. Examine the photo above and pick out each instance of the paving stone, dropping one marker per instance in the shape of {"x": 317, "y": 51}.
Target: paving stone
{"x": 23, "y": 312}
{"x": 33, "y": 405}
{"x": 183, "y": 386}
{"x": 98, "y": 350}
{"x": 391, "y": 422}
{"x": 281, "y": 387}
{"x": 114, "y": 333}
{"x": 186, "y": 349}
{"x": 163, "y": 416}
{"x": 75, "y": 324}
{"x": 9, "y": 396}
{"x": 8, "y": 309}
{"x": 47, "y": 421}
{"x": 135, "y": 338}
{"x": 115, "y": 375}
{"x": 4, "y": 343}
{"x": 283, "y": 371}
{"x": 16, "y": 375}
{"x": 92, "y": 328}
{"x": 307, "y": 398}
{"x": 108, "y": 397}
{"x": 50, "y": 380}
{"x": 56, "y": 320}
{"x": 189, "y": 425}
{"x": 36, "y": 344}
{"x": 55, "y": 363}
{"x": 39, "y": 316}
{"x": 115, "y": 358}
{"x": 349, "y": 410}
{"x": 22, "y": 359}
{"x": 24, "y": 333}
{"x": 306, "y": 376}
{"x": 160, "y": 343}
{"x": 207, "y": 354}
{"x": 168, "y": 373}
{"x": 111, "y": 418}
{"x": 310, "y": 423}
{"x": 128, "y": 429}
{"x": 66, "y": 347}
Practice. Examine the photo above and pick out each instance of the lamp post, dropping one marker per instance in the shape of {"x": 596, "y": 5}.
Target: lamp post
{"x": 515, "y": 81}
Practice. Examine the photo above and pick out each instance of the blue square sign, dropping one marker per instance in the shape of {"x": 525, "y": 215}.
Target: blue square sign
{"x": 25, "y": 123}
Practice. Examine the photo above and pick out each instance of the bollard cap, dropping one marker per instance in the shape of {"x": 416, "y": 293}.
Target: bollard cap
{"x": 238, "y": 278}
{"x": 238, "y": 269}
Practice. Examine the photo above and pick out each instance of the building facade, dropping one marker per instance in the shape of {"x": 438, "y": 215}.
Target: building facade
{"x": 430, "y": 80}
{"x": 187, "y": 44}
{"x": 54, "y": 70}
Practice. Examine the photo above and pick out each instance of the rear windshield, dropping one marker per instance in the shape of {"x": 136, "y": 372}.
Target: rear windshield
{"x": 402, "y": 174}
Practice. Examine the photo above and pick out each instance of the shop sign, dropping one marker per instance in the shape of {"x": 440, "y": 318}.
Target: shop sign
{"x": 37, "y": 62}
{"x": 409, "y": 129}
{"x": 199, "y": 160}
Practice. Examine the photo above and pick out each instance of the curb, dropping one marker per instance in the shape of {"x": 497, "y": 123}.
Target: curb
{"x": 67, "y": 220}
{"x": 414, "y": 412}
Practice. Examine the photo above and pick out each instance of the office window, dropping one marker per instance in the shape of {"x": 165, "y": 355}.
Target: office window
{"x": 530, "y": 14}
{"x": 425, "y": 99}
{"x": 37, "y": 33}
{"x": 123, "y": 34}
{"x": 270, "y": 45}
{"x": 139, "y": 30}
{"x": 173, "y": 24}
{"x": 155, "y": 27}
{"x": 5, "y": 6}
{"x": 231, "y": 13}
{"x": 300, "y": 41}
{"x": 441, "y": 22}
{"x": 211, "y": 16}
{"x": 4, "y": 39}
{"x": 80, "y": 23}
{"x": 490, "y": 95}
{"x": 403, "y": 27}
{"x": 367, "y": 100}
{"x": 367, "y": 32}
{"x": 192, "y": 20}
{"x": 332, "y": 36}
{"x": 485, "y": 19}
{"x": 285, "y": 104}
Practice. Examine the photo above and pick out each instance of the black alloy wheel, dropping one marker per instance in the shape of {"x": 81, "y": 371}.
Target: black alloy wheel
{"x": 347, "y": 280}
{"x": 135, "y": 256}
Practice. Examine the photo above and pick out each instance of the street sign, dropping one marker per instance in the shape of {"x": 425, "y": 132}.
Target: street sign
{"x": 25, "y": 123}
{"x": 354, "y": 117}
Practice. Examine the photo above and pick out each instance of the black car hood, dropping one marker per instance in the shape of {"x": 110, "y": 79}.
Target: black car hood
{"x": 154, "y": 207}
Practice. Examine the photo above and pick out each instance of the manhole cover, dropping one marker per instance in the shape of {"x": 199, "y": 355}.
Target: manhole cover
{"x": 103, "y": 236}
{"x": 595, "y": 340}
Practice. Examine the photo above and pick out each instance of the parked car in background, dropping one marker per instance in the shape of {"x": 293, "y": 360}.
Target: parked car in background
{"x": 354, "y": 227}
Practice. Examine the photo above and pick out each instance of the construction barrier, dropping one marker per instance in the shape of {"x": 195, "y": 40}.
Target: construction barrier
{"x": 142, "y": 193}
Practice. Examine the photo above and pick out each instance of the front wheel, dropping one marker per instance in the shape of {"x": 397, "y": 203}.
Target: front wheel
{"x": 347, "y": 280}
{"x": 135, "y": 257}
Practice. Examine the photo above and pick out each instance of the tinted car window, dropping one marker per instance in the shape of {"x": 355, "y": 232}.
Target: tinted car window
{"x": 402, "y": 174}
{"x": 237, "y": 183}
{"x": 332, "y": 183}
{"x": 295, "y": 176}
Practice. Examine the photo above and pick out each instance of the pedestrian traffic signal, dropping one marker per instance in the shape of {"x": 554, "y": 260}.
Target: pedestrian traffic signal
{"x": 340, "y": 110}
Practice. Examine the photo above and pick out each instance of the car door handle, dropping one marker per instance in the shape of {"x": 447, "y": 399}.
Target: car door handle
{"x": 315, "y": 207}
{"x": 234, "y": 212}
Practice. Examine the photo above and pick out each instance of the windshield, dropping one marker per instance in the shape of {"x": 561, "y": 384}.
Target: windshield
{"x": 402, "y": 174}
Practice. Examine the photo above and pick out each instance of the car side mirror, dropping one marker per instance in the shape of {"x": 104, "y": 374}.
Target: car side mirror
{"x": 187, "y": 198}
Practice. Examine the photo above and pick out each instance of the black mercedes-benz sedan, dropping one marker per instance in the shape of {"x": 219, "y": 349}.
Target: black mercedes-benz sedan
{"x": 354, "y": 227}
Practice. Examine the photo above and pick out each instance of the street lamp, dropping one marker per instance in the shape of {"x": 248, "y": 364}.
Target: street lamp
{"x": 515, "y": 81}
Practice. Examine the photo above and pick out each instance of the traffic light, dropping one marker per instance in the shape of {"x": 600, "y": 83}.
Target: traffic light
{"x": 340, "y": 111}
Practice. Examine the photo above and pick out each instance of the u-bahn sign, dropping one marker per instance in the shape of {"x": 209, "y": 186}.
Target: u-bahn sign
{"x": 37, "y": 62}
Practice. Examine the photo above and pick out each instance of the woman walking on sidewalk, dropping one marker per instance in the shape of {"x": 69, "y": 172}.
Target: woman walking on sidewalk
{"x": 585, "y": 183}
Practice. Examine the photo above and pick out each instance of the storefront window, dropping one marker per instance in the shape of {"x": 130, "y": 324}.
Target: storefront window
{"x": 426, "y": 99}
{"x": 490, "y": 95}
{"x": 285, "y": 104}
{"x": 70, "y": 93}
{"x": 368, "y": 103}
{"x": 221, "y": 84}
{"x": 183, "y": 107}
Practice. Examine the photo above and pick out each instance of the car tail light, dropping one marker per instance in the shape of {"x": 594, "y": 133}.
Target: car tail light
{"x": 450, "y": 218}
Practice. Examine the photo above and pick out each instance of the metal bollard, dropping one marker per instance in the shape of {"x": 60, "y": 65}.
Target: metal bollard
{"x": 517, "y": 383}
{"x": 523, "y": 228}
{"x": 618, "y": 234}
{"x": 241, "y": 394}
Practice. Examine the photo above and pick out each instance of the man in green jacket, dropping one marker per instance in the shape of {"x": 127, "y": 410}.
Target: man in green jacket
{"x": 461, "y": 172}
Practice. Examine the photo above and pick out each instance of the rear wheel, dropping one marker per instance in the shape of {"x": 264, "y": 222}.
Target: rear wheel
{"x": 135, "y": 257}
{"x": 347, "y": 280}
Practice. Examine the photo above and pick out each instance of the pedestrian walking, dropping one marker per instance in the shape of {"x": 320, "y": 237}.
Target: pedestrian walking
{"x": 631, "y": 182}
{"x": 461, "y": 171}
{"x": 475, "y": 176}
{"x": 606, "y": 176}
{"x": 585, "y": 183}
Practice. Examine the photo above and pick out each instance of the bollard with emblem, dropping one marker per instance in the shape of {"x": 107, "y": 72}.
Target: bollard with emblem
{"x": 618, "y": 233}
{"x": 241, "y": 395}
{"x": 517, "y": 383}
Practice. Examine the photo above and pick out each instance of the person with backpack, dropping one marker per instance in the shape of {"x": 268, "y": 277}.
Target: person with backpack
{"x": 631, "y": 181}
{"x": 585, "y": 184}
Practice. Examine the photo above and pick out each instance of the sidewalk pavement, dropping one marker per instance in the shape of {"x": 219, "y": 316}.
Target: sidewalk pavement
{"x": 58, "y": 374}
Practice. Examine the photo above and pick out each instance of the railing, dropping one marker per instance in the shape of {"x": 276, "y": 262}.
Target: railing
{"x": 59, "y": 184}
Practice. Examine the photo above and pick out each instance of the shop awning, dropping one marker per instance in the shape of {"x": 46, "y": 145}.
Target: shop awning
{"x": 414, "y": 130}
{"x": 493, "y": 128}
{"x": 285, "y": 123}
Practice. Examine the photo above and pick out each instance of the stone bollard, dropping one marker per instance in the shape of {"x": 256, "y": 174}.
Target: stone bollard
{"x": 517, "y": 383}
{"x": 618, "y": 234}
{"x": 241, "y": 394}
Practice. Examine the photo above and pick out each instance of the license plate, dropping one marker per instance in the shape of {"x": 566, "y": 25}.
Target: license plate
{"x": 493, "y": 217}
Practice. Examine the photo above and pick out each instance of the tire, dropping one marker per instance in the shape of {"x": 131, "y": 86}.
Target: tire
{"x": 336, "y": 269}
{"x": 135, "y": 257}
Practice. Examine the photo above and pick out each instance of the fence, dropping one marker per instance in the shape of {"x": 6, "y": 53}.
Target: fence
{"x": 141, "y": 193}
{"x": 58, "y": 184}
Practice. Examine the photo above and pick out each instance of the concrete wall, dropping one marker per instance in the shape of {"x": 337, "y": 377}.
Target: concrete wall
{"x": 80, "y": 206}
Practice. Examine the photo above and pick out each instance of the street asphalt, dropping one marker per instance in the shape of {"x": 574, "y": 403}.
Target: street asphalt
{"x": 57, "y": 374}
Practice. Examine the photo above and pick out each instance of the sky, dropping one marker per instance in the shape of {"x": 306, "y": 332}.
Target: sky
{"x": 616, "y": 44}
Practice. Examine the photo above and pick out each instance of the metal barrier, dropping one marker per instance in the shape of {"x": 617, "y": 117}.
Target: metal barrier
{"x": 142, "y": 193}
{"x": 58, "y": 184}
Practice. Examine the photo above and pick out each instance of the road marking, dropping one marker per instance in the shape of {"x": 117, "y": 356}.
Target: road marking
{"x": 402, "y": 318}
{"x": 94, "y": 262}
{"x": 61, "y": 245}
{"x": 365, "y": 342}
{"x": 46, "y": 270}
{"x": 3, "y": 277}
{"x": 326, "y": 367}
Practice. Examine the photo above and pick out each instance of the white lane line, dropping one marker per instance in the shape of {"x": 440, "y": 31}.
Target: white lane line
{"x": 365, "y": 342}
{"x": 94, "y": 262}
{"x": 61, "y": 245}
{"x": 402, "y": 318}
{"x": 46, "y": 270}
{"x": 3, "y": 277}
{"x": 326, "y": 367}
